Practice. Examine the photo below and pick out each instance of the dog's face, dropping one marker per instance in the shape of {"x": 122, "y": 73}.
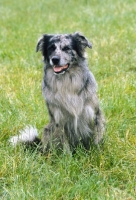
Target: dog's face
{"x": 62, "y": 51}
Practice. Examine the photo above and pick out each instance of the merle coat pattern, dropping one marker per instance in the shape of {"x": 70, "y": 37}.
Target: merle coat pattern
{"x": 69, "y": 89}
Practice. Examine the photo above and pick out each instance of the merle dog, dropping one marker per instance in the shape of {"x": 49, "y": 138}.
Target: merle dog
{"x": 69, "y": 89}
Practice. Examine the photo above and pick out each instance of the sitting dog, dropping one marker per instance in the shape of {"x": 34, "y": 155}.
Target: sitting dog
{"x": 69, "y": 89}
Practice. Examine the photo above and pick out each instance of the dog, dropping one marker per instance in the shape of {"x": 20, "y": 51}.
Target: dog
{"x": 70, "y": 93}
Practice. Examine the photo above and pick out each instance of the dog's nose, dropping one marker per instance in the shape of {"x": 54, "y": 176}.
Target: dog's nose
{"x": 55, "y": 60}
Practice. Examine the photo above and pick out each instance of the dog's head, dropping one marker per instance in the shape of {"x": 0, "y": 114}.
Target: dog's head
{"x": 62, "y": 51}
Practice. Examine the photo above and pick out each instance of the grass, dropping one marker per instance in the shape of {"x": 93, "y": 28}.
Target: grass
{"x": 105, "y": 174}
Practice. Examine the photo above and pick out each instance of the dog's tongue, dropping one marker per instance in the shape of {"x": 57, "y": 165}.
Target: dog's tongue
{"x": 59, "y": 68}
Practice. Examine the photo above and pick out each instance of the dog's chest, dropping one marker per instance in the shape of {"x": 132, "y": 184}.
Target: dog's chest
{"x": 63, "y": 93}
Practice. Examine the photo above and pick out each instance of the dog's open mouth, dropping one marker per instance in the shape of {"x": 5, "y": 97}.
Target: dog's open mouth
{"x": 60, "y": 69}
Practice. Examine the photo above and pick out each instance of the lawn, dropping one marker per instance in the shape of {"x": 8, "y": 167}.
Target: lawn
{"x": 105, "y": 174}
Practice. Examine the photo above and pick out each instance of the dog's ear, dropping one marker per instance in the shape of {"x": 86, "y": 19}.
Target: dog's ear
{"x": 39, "y": 46}
{"x": 82, "y": 40}
{"x": 43, "y": 43}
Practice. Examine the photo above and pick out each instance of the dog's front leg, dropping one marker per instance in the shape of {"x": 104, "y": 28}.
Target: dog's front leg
{"x": 54, "y": 138}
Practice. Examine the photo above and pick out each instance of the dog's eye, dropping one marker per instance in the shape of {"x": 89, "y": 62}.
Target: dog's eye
{"x": 66, "y": 48}
{"x": 51, "y": 47}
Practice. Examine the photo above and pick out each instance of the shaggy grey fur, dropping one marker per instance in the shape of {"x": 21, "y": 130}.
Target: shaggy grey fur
{"x": 69, "y": 89}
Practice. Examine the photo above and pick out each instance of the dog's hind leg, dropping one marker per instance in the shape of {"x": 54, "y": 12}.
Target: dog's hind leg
{"x": 99, "y": 127}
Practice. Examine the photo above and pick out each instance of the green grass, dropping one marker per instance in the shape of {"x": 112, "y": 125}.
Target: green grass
{"x": 105, "y": 174}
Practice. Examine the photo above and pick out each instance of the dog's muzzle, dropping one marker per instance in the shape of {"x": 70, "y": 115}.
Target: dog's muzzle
{"x": 59, "y": 69}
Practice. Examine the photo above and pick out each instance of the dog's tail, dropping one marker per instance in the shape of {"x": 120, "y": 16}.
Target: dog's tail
{"x": 27, "y": 136}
